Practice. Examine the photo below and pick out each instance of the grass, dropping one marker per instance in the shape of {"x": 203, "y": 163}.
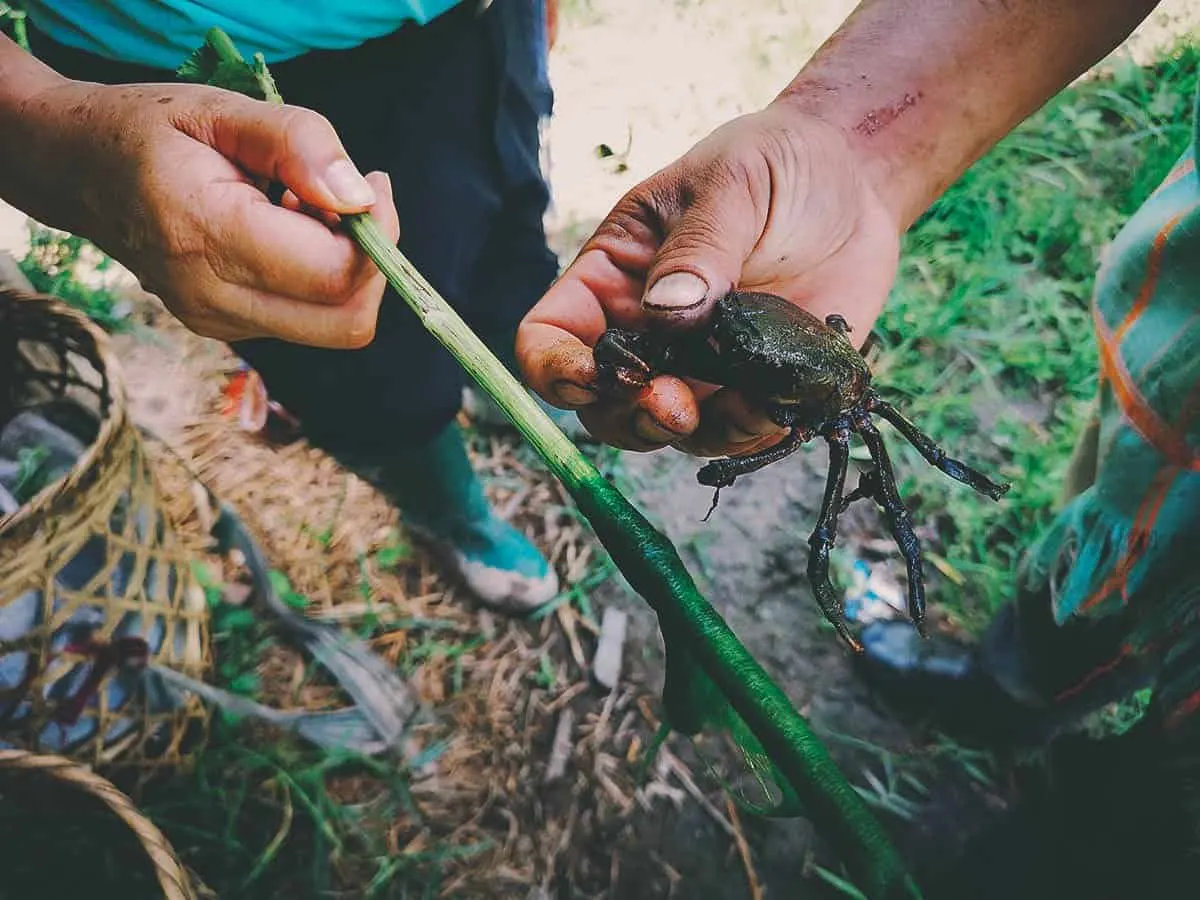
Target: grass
{"x": 987, "y": 340}
{"x": 264, "y": 815}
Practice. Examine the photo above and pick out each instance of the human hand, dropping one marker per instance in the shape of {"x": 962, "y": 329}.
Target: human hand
{"x": 165, "y": 179}
{"x": 773, "y": 201}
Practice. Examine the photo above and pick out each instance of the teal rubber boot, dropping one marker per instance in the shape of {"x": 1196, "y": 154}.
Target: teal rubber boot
{"x": 484, "y": 411}
{"x": 442, "y": 503}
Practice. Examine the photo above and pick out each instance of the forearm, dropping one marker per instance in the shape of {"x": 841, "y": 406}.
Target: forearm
{"x": 923, "y": 88}
{"x": 25, "y": 124}
{"x": 22, "y": 76}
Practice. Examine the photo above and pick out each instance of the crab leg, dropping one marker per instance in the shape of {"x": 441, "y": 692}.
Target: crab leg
{"x": 934, "y": 454}
{"x": 721, "y": 473}
{"x": 888, "y": 497}
{"x": 823, "y": 535}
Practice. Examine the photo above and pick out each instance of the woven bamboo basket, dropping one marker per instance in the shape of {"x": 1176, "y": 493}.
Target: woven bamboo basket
{"x": 93, "y": 565}
{"x": 26, "y": 779}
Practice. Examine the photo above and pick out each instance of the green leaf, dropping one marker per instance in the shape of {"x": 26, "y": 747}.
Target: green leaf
{"x": 279, "y": 582}
{"x": 31, "y": 473}
{"x": 219, "y": 64}
{"x": 283, "y": 587}
{"x": 392, "y": 555}
{"x": 294, "y": 600}
{"x": 843, "y": 886}
{"x": 245, "y": 684}
{"x": 233, "y": 619}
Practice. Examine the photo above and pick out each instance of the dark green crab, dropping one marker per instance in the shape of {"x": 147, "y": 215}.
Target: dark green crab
{"x": 808, "y": 377}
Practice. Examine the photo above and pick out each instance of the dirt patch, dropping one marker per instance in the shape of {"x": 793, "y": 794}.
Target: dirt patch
{"x": 750, "y": 560}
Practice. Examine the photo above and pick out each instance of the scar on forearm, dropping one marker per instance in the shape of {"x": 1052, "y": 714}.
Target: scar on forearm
{"x": 878, "y": 119}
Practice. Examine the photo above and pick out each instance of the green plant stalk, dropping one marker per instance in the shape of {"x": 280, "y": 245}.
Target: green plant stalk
{"x": 652, "y": 566}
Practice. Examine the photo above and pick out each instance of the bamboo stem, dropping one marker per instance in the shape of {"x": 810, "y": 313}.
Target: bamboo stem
{"x": 561, "y": 456}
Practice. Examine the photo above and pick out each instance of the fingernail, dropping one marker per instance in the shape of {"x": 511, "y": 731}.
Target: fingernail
{"x": 575, "y": 394}
{"x": 347, "y": 184}
{"x": 678, "y": 290}
{"x": 648, "y": 430}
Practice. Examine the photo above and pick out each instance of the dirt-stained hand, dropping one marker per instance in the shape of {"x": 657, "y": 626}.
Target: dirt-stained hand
{"x": 772, "y": 201}
{"x": 163, "y": 178}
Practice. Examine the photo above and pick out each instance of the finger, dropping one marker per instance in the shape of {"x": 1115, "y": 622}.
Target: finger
{"x": 348, "y": 326}
{"x": 554, "y": 339}
{"x": 267, "y": 248}
{"x": 730, "y": 450}
{"x": 594, "y": 293}
{"x": 664, "y": 413}
{"x": 384, "y": 209}
{"x": 708, "y": 237}
{"x": 289, "y": 144}
{"x": 728, "y": 424}
{"x": 556, "y": 365}
{"x": 233, "y": 313}
{"x": 290, "y": 201}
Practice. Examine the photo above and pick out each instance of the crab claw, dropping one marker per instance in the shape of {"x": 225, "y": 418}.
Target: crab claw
{"x": 620, "y": 367}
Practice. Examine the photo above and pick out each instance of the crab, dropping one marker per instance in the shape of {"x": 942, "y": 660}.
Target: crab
{"x": 808, "y": 377}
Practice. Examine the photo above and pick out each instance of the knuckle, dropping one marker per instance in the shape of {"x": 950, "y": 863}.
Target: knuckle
{"x": 623, "y": 226}
{"x": 698, "y": 234}
{"x": 637, "y": 218}
{"x": 308, "y": 119}
{"x": 301, "y": 125}
{"x": 339, "y": 283}
{"x": 200, "y": 111}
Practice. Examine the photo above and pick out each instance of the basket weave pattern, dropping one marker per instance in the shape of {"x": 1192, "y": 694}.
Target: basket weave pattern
{"x": 108, "y": 512}
{"x": 174, "y": 880}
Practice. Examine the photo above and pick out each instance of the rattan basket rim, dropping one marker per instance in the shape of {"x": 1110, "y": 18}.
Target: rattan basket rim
{"x": 91, "y": 334}
{"x": 171, "y": 875}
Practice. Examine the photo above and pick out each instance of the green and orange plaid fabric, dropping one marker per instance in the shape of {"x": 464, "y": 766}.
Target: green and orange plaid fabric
{"x": 1126, "y": 545}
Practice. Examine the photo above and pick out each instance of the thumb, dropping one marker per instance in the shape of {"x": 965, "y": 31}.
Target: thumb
{"x": 701, "y": 257}
{"x": 293, "y": 146}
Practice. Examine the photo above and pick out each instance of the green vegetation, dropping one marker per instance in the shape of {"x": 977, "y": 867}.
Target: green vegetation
{"x": 55, "y": 265}
{"x": 12, "y": 23}
{"x": 987, "y": 341}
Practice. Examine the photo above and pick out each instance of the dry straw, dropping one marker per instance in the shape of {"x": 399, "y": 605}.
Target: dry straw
{"x": 107, "y": 512}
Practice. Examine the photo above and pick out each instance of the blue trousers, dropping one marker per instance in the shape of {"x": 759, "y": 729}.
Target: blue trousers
{"x": 450, "y": 111}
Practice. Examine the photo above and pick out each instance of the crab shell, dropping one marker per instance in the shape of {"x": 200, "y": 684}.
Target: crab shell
{"x": 777, "y": 353}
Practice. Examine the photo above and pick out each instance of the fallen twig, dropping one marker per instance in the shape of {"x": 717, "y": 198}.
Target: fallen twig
{"x": 756, "y": 891}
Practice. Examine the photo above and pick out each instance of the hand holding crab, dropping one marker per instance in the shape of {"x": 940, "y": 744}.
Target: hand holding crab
{"x": 679, "y": 295}
{"x": 809, "y": 377}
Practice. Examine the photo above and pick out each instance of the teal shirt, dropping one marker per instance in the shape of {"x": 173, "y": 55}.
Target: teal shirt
{"x": 162, "y": 33}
